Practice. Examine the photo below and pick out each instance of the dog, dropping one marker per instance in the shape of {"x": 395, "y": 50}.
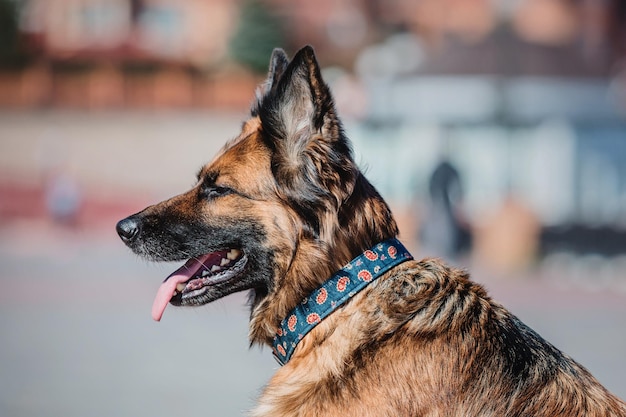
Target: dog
{"x": 360, "y": 327}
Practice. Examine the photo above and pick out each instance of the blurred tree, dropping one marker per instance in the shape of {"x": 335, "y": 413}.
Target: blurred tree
{"x": 258, "y": 33}
{"x": 9, "y": 34}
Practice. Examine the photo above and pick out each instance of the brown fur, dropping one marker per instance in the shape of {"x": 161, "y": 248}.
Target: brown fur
{"x": 422, "y": 340}
{"x": 377, "y": 357}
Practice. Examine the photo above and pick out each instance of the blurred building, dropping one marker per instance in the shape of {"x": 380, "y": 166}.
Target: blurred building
{"x": 527, "y": 98}
{"x": 112, "y": 53}
{"x": 192, "y": 32}
{"x": 168, "y": 41}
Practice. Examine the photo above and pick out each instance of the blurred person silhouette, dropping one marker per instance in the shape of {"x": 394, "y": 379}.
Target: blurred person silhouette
{"x": 445, "y": 232}
{"x": 63, "y": 197}
{"x": 62, "y": 193}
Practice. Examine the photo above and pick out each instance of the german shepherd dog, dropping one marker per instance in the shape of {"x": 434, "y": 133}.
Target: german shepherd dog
{"x": 280, "y": 211}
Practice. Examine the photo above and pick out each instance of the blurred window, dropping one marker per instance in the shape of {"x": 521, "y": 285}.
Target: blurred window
{"x": 103, "y": 23}
{"x": 162, "y": 27}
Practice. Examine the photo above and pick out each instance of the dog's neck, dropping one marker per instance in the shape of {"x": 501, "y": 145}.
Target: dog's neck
{"x": 334, "y": 292}
{"x": 363, "y": 220}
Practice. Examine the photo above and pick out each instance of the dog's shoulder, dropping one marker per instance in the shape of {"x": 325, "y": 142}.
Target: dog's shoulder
{"x": 431, "y": 297}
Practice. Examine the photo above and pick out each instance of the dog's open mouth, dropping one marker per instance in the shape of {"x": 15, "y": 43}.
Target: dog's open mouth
{"x": 193, "y": 279}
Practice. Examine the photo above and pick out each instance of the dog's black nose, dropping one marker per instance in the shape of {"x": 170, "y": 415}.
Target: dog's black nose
{"x": 128, "y": 229}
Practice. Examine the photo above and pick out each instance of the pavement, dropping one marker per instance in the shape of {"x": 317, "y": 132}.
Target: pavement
{"x": 77, "y": 337}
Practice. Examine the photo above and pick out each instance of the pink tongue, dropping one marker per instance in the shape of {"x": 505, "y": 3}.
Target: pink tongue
{"x": 166, "y": 290}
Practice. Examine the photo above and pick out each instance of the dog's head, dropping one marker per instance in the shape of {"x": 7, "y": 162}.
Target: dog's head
{"x": 277, "y": 211}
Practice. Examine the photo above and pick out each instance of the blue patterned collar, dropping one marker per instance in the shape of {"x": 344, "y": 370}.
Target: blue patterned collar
{"x": 343, "y": 285}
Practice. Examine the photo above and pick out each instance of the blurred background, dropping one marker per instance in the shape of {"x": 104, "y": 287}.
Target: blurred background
{"x": 496, "y": 129}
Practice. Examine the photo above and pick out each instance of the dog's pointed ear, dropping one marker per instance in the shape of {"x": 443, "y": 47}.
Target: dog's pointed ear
{"x": 298, "y": 105}
{"x": 302, "y": 98}
{"x": 278, "y": 64}
{"x": 312, "y": 159}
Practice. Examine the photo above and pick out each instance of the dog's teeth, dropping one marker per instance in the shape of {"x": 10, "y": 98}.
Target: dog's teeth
{"x": 233, "y": 254}
{"x": 224, "y": 262}
{"x": 215, "y": 268}
{"x": 205, "y": 273}
{"x": 180, "y": 287}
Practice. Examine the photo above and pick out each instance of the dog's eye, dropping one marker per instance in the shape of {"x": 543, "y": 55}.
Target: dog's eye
{"x": 214, "y": 191}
